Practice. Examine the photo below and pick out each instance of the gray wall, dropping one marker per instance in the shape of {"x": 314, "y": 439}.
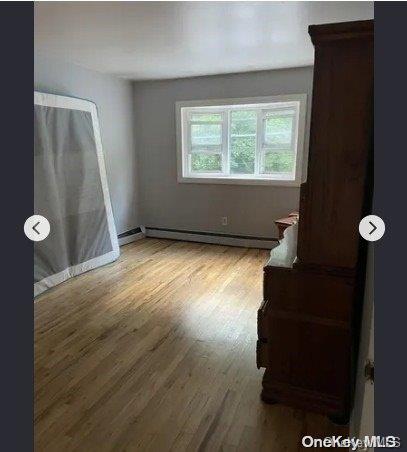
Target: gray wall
{"x": 113, "y": 98}
{"x": 168, "y": 204}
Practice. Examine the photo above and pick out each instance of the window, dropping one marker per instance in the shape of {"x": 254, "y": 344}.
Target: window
{"x": 247, "y": 141}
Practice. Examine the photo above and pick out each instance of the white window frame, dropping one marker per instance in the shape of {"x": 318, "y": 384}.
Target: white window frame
{"x": 218, "y": 105}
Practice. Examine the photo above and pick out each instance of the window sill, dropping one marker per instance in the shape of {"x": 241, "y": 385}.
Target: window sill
{"x": 238, "y": 181}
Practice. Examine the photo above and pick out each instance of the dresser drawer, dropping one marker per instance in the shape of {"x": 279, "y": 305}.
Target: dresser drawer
{"x": 314, "y": 294}
{"x": 308, "y": 355}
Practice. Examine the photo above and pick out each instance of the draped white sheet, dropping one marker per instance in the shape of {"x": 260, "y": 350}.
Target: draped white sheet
{"x": 70, "y": 190}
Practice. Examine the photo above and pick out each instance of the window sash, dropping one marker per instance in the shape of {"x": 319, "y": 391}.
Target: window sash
{"x": 221, "y": 148}
{"x": 279, "y": 112}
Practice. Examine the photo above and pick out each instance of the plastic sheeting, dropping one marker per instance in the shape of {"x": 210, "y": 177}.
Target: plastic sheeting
{"x": 70, "y": 190}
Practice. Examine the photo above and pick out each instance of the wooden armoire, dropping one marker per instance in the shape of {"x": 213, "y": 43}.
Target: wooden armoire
{"x": 308, "y": 322}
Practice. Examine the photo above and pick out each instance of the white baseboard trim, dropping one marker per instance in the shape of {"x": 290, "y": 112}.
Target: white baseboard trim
{"x": 213, "y": 239}
{"x": 131, "y": 238}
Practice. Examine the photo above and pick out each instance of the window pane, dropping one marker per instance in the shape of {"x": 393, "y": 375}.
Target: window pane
{"x": 242, "y": 155}
{"x": 206, "y": 134}
{"x": 206, "y": 163}
{"x": 243, "y": 122}
{"x": 278, "y": 129}
{"x": 206, "y": 117}
{"x": 243, "y": 126}
{"x": 278, "y": 162}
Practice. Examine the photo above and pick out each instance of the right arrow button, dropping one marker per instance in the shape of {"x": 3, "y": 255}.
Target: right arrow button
{"x": 372, "y": 228}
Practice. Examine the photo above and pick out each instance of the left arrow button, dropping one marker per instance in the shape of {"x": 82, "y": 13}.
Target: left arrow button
{"x": 37, "y": 228}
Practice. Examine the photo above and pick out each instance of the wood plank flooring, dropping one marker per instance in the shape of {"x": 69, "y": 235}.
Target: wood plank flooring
{"x": 156, "y": 352}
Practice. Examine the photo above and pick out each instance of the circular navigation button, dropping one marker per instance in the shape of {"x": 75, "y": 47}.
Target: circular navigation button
{"x": 372, "y": 228}
{"x": 37, "y": 228}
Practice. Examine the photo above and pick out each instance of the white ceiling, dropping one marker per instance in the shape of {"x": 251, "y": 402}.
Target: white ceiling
{"x": 153, "y": 40}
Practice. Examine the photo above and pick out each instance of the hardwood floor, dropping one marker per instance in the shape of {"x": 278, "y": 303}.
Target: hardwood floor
{"x": 156, "y": 352}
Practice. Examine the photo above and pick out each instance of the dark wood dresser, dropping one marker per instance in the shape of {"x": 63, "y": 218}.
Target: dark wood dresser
{"x": 308, "y": 322}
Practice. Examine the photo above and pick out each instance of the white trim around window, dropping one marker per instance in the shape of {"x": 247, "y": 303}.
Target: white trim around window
{"x": 205, "y": 129}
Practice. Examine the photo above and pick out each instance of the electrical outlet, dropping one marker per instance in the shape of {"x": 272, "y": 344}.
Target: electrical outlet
{"x": 224, "y": 221}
